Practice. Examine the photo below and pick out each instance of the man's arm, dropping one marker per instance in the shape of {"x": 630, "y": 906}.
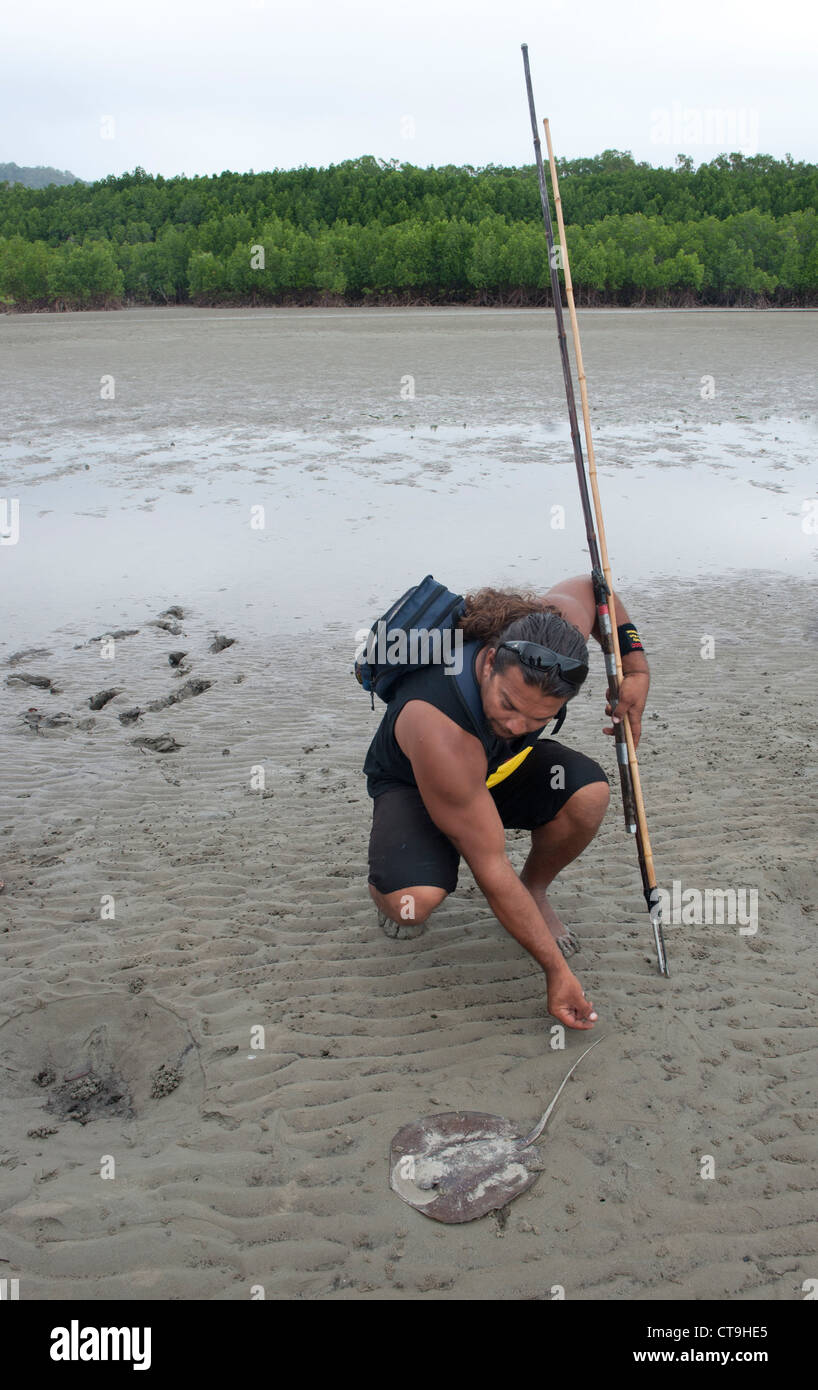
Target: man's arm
{"x": 574, "y": 600}
{"x": 450, "y": 770}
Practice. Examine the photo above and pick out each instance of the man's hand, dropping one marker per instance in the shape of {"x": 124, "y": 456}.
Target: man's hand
{"x": 633, "y": 694}
{"x": 567, "y": 1002}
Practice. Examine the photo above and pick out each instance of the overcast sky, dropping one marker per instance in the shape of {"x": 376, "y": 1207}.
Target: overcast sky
{"x": 198, "y": 86}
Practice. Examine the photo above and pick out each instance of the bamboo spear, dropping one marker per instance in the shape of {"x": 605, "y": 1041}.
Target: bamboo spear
{"x": 643, "y": 839}
{"x": 633, "y": 802}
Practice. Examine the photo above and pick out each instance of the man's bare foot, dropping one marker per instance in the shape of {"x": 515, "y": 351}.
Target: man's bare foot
{"x": 567, "y": 941}
{"x": 402, "y": 931}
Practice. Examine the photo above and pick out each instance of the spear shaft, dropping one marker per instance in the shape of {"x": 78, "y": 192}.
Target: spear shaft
{"x": 633, "y": 804}
{"x": 642, "y": 836}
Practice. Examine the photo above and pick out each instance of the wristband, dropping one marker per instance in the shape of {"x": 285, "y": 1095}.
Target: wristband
{"x": 629, "y": 639}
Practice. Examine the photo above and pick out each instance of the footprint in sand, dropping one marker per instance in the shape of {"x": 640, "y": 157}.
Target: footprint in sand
{"x": 163, "y": 743}
{"x": 100, "y": 700}
{"x": 185, "y": 692}
{"x": 42, "y": 682}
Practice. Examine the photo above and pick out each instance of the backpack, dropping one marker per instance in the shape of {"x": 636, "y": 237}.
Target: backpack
{"x": 406, "y": 637}
{"x": 397, "y": 644}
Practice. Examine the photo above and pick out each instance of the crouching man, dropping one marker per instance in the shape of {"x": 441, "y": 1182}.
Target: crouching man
{"x": 450, "y": 770}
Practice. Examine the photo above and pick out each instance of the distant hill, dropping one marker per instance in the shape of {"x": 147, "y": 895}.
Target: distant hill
{"x": 40, "y": 177}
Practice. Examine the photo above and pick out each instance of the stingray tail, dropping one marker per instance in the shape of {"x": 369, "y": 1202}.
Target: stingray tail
{"x": 540, "y": 1126}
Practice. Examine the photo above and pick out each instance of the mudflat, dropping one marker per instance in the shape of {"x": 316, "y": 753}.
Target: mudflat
{"x": 194, "y": 985}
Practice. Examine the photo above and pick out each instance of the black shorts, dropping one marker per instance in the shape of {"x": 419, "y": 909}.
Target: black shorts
{"x": 406, "y": 848}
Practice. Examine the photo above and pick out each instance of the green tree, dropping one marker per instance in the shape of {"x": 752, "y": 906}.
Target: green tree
{"x": 206, "y": 276}
{"x": 24, "y": 270}
{"x": 82, "y": 275}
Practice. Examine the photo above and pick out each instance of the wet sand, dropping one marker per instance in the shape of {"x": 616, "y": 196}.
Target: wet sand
{"x": 217, "y": 414}
{"x": 162, "y": 907}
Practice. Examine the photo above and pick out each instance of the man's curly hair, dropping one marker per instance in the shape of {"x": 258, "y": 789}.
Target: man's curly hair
{"x": 507, "y": 615}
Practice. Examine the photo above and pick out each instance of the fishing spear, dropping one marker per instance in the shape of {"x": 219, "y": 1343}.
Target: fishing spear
{"x": 632, "y": 801}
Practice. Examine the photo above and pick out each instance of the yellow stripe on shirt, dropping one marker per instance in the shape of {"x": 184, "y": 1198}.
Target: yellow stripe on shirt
{"x": 506, "y": 769}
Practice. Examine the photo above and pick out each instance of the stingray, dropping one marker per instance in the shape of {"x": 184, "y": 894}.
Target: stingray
{"x": 461, "y": 1165}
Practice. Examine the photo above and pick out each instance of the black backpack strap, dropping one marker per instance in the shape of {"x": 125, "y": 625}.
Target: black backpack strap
{"x": 466, "y": 686}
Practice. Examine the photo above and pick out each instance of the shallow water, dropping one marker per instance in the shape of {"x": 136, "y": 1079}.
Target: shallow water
{"x": 130, "y": 504}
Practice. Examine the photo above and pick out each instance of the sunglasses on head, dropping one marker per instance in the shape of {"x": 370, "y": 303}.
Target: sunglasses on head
{"x": 538, "y": 658}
